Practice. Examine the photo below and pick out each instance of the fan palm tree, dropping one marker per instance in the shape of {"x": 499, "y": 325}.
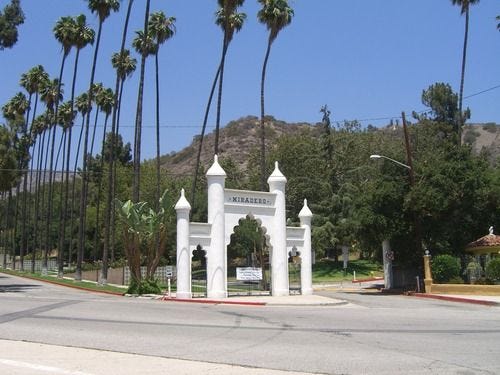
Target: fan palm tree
{"x": 145, "y": 46}
{"x": 103, "y": 9}
{"x": 498, "y": 26}
{"x": 106, "y": 103}
{"x": 109, "y": 218}
{"x": 63, "y": 32}
{"x": 125, "y": 66}
{"x": 51, "y": 95}
{"x": 32, "y": 82}
{"x": 276, "y": 15}
{"x": 161, "y": 28}
{"x": 230, "y": 21}
{"x": 83, "y": 35}
{"x": 65, "y": 119}
{"x": 82, "y": 107}
{"x": 464, "y": 9}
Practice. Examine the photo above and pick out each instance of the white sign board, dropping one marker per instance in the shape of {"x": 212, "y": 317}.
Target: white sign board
{"x": 169, "y": 271}
{"x": 248, "y": 273}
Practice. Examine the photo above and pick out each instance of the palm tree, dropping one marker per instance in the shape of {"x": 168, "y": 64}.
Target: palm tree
{"x": 32, "y": 82}
{"x": 498, "y": 26}
{"x": 276, "y": 15}
{"x": 63, "y": 32}
{"x": 82, "y": 36}
{"x": 51, "y": 95}
{"x": 103, "y": 9}
{"x": 230, "y": 21}
{"x": 125, "y": 66}
{"x": 65, "y": 119}
{"x": 161, "y": 28}
{"x": 106, "y": 103}
{"x": 109, "y": 219}
{"x": 144, "y": 45}
{"x": 464, "y": 6}
{"x": 229, "y": 24}
{"x": 82, "y": 107}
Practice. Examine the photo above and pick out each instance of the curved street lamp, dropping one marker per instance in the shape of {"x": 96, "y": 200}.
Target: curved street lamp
{"x": 394, "y": 161}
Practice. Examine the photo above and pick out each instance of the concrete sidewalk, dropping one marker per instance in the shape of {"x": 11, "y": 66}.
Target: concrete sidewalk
{"x": 62, "y": 360}
{"x": 464, "y": 298}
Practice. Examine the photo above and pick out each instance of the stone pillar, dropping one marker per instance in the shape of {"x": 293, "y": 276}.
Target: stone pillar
{"x": 387, "y": 261}
{"x": 217, "y": 254}
{"x": 427, "y": 272}
{"x": 279, "y": 258}
{"x": 183, "y": 251}
{"x": 305, "y": 217}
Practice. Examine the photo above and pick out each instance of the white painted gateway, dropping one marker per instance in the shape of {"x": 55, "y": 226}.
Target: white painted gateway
{"x": 225, "y": 208}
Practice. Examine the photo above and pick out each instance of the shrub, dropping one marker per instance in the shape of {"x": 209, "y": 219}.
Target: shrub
{"x": 455, "y": 280}
{"x": 474, "y": 271}
{"x": 148, "y": 286}
{"x": 445, "y": 267}
{"x": 493, "y": 269}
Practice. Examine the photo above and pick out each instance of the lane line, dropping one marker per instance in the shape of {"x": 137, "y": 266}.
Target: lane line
{"x": 49, "y": 369}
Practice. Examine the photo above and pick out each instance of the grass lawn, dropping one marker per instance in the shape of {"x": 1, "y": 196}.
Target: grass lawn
{"x": 68, "y": 282}
{"x": 327, "y": 270}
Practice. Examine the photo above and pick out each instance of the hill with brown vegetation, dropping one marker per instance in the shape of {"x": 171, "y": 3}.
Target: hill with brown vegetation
{"x": 241, "y": 137}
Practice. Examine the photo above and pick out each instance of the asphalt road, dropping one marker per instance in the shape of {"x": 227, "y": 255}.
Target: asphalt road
{"x": 373, "y": 334}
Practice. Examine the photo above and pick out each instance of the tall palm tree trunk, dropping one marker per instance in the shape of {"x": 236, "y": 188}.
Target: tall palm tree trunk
{"x": 219, "y": 95}
{"x": 51, "y": 174}
{"x": 65, "y": 194}
{"x": 462, "y": 79}
{"x": 157, "y": 192}
{"x": 262, "y": 125}
{"x": 202, "y": 135}
{"x": 138, "y": 119}
{"x": 83, "y": 201}
{"x": 39, "y": 197}
{"x": 109, "y": 215}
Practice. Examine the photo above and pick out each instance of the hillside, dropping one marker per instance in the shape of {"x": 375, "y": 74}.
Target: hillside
{"x": 241, "y": 136}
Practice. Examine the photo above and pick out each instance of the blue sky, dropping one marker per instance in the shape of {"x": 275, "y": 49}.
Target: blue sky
{"x": 364, "y": 59}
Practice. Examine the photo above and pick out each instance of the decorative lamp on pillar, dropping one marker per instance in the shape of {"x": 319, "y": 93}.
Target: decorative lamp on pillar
{"x": 279, "y": 258}
{"x": 183, "y": 252}
{"x": 305, "y": 216}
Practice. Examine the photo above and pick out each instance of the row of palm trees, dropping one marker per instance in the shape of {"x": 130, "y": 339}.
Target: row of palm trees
{"x": 38, "y": 133}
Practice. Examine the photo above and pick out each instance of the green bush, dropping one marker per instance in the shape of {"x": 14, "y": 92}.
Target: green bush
{"x": 455, "y": 280}
{"x": 148, "y": 286}
{"x": 493, "y": 269}
{"x": 444, "y": 268}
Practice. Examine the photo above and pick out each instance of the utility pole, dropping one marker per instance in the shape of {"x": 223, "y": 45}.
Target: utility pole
{"x": 409, "y": 161}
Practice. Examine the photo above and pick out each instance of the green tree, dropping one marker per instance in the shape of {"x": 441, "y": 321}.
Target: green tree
{"x": 276, "y": 15}
{"x": 10, "y": 18}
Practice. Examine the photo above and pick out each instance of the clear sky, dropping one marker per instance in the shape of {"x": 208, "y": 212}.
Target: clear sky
{"x": 365, "y": 59}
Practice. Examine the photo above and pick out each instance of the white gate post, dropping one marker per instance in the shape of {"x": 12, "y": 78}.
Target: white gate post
{"x": 183, "y": 251}
{"x": 279, "y": 258}
{"x": 217, "y": 254}
{"x": 305, "y": 216}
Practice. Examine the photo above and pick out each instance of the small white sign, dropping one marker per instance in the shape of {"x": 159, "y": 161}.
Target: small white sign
{"x": 169, "y": 271}
{"x": 248, "y": 273}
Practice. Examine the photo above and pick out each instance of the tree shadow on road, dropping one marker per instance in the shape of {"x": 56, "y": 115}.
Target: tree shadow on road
{"x": 17, "y": 288}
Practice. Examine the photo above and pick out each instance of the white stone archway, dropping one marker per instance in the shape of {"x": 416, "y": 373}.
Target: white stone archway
{"x": 225, "y": 208}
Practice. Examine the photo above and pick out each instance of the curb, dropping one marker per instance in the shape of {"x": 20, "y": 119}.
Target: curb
{"x": 367, "y": 280}
{"x": 213, "y": 302}
{"x": 68, "y": 286}
{"x": 455, "y": 299}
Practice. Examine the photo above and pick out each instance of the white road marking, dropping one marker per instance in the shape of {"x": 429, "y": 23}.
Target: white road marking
{"x": 49, "y": 369}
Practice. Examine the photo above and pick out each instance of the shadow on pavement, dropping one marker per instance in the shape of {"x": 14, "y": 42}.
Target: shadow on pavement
{"x": 17, "y": 288}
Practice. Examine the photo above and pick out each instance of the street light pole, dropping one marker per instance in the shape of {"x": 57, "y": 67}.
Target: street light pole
{"x": 390, "y": 159}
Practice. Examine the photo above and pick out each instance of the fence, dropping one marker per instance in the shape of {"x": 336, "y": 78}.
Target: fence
{"x": 51, "y": 264}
